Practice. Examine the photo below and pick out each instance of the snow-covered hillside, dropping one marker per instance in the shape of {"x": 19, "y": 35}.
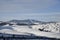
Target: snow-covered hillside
{"x": 47, "y": 29}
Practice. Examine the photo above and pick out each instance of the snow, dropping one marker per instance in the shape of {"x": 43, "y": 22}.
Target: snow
{"x": 54, "y": 29}
{"x": 6, "y": 25}
{"x": 36, "y": 32}
{"x": 8, "y": 31}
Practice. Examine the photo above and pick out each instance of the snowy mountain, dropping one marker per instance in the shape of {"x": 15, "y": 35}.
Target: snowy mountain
{"x": 28, "y": 21}
{"x": 39, "y": 25}
{"x": 49, "y": 27}
{"x": 28, "y": 27}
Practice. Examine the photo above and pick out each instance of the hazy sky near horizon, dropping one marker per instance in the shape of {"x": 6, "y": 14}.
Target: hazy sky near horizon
{"x": 44, "y": 10}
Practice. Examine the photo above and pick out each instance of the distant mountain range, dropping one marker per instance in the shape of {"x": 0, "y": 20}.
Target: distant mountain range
{"x": 28, "y": 21}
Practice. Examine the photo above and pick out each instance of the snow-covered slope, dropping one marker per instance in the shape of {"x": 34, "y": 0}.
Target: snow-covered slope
{"x": 49, "y": 29}
{"x": 36, "y": 32}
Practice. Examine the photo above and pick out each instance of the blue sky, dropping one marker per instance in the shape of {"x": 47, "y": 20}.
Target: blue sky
{"x": 44, "y": 10}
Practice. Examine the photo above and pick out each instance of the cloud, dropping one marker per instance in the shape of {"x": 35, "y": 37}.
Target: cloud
{"x": 9, "y": 9}
{"x": 25, "y": 6}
